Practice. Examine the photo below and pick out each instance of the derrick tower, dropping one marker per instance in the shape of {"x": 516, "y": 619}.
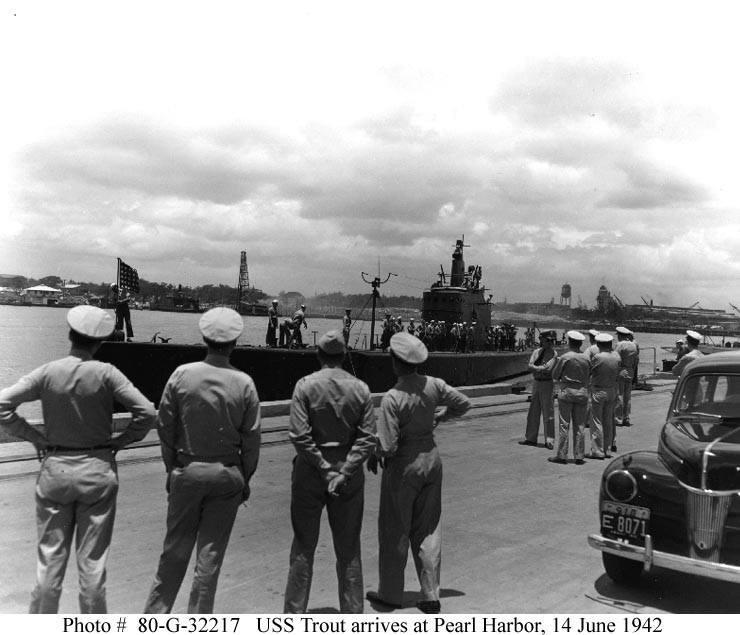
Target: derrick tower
{"x": 243, "y": 285}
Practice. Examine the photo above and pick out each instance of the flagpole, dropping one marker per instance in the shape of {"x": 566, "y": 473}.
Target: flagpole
{"x": 118, "y": 274}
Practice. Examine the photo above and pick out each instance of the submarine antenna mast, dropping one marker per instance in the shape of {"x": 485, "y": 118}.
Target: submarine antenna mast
{"x": 375, "y": 283}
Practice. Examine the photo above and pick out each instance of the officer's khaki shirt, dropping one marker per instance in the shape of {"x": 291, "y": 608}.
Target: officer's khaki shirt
{"x": 210, "y": 409}
{"x": 332, "y": 409}
{"x": 572, "y": 370}
{"x": 605, "y": 370}
{"x": 406, "y": 422}
{"x": 77, "y": 395}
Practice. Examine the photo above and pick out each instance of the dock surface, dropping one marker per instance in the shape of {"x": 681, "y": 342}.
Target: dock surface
{"x": 514, "y": 529}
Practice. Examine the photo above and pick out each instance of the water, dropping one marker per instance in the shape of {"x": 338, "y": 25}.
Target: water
{"x": 31, "y": 336}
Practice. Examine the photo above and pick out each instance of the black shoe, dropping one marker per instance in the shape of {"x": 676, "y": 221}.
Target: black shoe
{"x": 526, "y": 442}
{"x": 374, "y": 597}
{"x": 429, "y": 606}
{"x": 549, "y": 445}
{"x": 579, "y": 461}
{"x": 614, "y": 448}
{"x": 556, "y": 459}
{"x": 598, "y": 457}
{"x": 626, "y": 424}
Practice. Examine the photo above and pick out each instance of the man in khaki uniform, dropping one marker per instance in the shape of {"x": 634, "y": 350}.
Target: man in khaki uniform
{"x": 209, "y": 428}
{"x": 628, "y": 354}
{"x": 604, "y": 374}
{"x": 571, "y": 372}
{"x": 693, "y": 339}
{"x": 78, "y": 483}
{"x": 541, "y": 363}
{"x": 411, "y": 487}
{"x": 332, "y": 426}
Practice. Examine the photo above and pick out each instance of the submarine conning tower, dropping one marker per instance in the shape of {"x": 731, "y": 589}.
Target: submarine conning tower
{"x": 457, "y": 275}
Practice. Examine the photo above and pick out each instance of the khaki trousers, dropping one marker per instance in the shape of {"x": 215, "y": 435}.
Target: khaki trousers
{"x": 409, "y": 516}
{"x": 541, "y": 406}
{"x": 308, "y": 499}
{"x": 571, "y": 415}
{"x": 75, "y": 497}
{"x": 202, "y": 506}
{"x": 603, "y": 432}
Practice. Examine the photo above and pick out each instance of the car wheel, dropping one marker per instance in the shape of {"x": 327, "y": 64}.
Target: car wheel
{"x": 621, "y": 570}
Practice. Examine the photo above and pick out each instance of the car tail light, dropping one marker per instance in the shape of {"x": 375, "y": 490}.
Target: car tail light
{"x": 621, "y": 486}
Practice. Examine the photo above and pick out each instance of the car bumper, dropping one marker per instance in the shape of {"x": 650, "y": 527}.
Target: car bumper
{"x": 651, "y": 557}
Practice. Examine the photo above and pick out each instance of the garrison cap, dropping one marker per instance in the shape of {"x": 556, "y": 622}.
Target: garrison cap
{"x": 576, "y": 336}
{"x": 408, "y": 348}
{"x": 90, "y": 321}
{"x": 693, "y": 336}
{"x": 332, "y": 343}
{"x": 221, "y": 325}
{"x": 623, "y": 330}
{"x": 593, "y": 332}
{"x": 604, "y": 338}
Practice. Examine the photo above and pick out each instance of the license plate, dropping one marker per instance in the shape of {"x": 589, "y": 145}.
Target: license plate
{"x": 622, "y": 521}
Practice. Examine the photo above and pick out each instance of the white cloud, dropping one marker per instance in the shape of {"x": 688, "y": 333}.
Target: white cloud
{"x": 320, "y": 137}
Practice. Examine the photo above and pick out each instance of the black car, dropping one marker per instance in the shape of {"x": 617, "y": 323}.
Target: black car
{"x": 679, "y": 507}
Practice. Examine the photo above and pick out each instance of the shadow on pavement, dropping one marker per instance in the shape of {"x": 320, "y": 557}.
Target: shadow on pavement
{"x": 671, "y": 592}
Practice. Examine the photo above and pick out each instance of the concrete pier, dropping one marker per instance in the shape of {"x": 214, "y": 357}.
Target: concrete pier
{"x": 514, "y": 528}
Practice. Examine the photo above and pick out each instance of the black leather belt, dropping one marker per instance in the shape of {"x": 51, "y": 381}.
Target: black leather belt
{"x": 227, "y": 461}
{"x": 90, "y": 448}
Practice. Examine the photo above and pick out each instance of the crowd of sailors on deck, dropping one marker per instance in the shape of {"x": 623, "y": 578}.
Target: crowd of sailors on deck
{"x": 208, "y": 423}
{"x": 460, "y": 337}
{"x": 592, "y": 387}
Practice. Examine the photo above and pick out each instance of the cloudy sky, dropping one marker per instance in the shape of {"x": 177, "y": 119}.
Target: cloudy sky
{"x": 588, "y": 143}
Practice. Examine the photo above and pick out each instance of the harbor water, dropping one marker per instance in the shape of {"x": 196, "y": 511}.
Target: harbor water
{"x": 33, "y": 335}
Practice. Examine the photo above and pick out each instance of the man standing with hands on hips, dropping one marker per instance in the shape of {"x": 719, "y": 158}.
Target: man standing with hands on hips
{"x": 411, "y": 487}
{"x": 77, "y": 486}
{"x": 332, "y": 426}
{"x": 209, "y": 428}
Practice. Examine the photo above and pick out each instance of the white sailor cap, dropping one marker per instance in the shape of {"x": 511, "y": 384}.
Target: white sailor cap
{"x": 408, "y": 348}
{"x": 274, "y": 301}
{"x": 332, "y": 343}
{"x": 90, "y": 321}
{"x": 221, "y": 325}
{"x": 623, "y": 330}
{"x": 593, "y": 332}
{"x": 694, "y": 336}
{"x": 576, "y": 336}
{"x": 604, "y": 338}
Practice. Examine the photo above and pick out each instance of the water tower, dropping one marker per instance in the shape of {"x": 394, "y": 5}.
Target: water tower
{"x": 565, "y": 295}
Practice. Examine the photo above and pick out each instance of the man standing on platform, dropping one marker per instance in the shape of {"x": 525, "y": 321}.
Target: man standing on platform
{"x": 299, "y": 319}
{"x": 541, "y": 363}
{"x": 693, "y": 339}
{"x": 332, "y": 426}
{"x": 604, "y": 374}
{"x": 272, "y": 325}
{"x": 572, "y": 373}
{"x": 411, "y": 487}
{"x": 346, "y": 326}
{"x": 209, "y": 428}
{"x": 120, "y": 300}
{"x": 628, "y": 355}
{"x": 78, "y": 483}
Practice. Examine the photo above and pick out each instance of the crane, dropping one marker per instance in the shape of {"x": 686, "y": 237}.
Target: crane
{"x": 646, "y": 302}
{"x": 696, "y": 304}
{"x": 734, "y": 307}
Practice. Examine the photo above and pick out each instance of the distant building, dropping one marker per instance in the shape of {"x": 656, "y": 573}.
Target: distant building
{"x": 41, "y": 295}
{"x": 291, "y": 300}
